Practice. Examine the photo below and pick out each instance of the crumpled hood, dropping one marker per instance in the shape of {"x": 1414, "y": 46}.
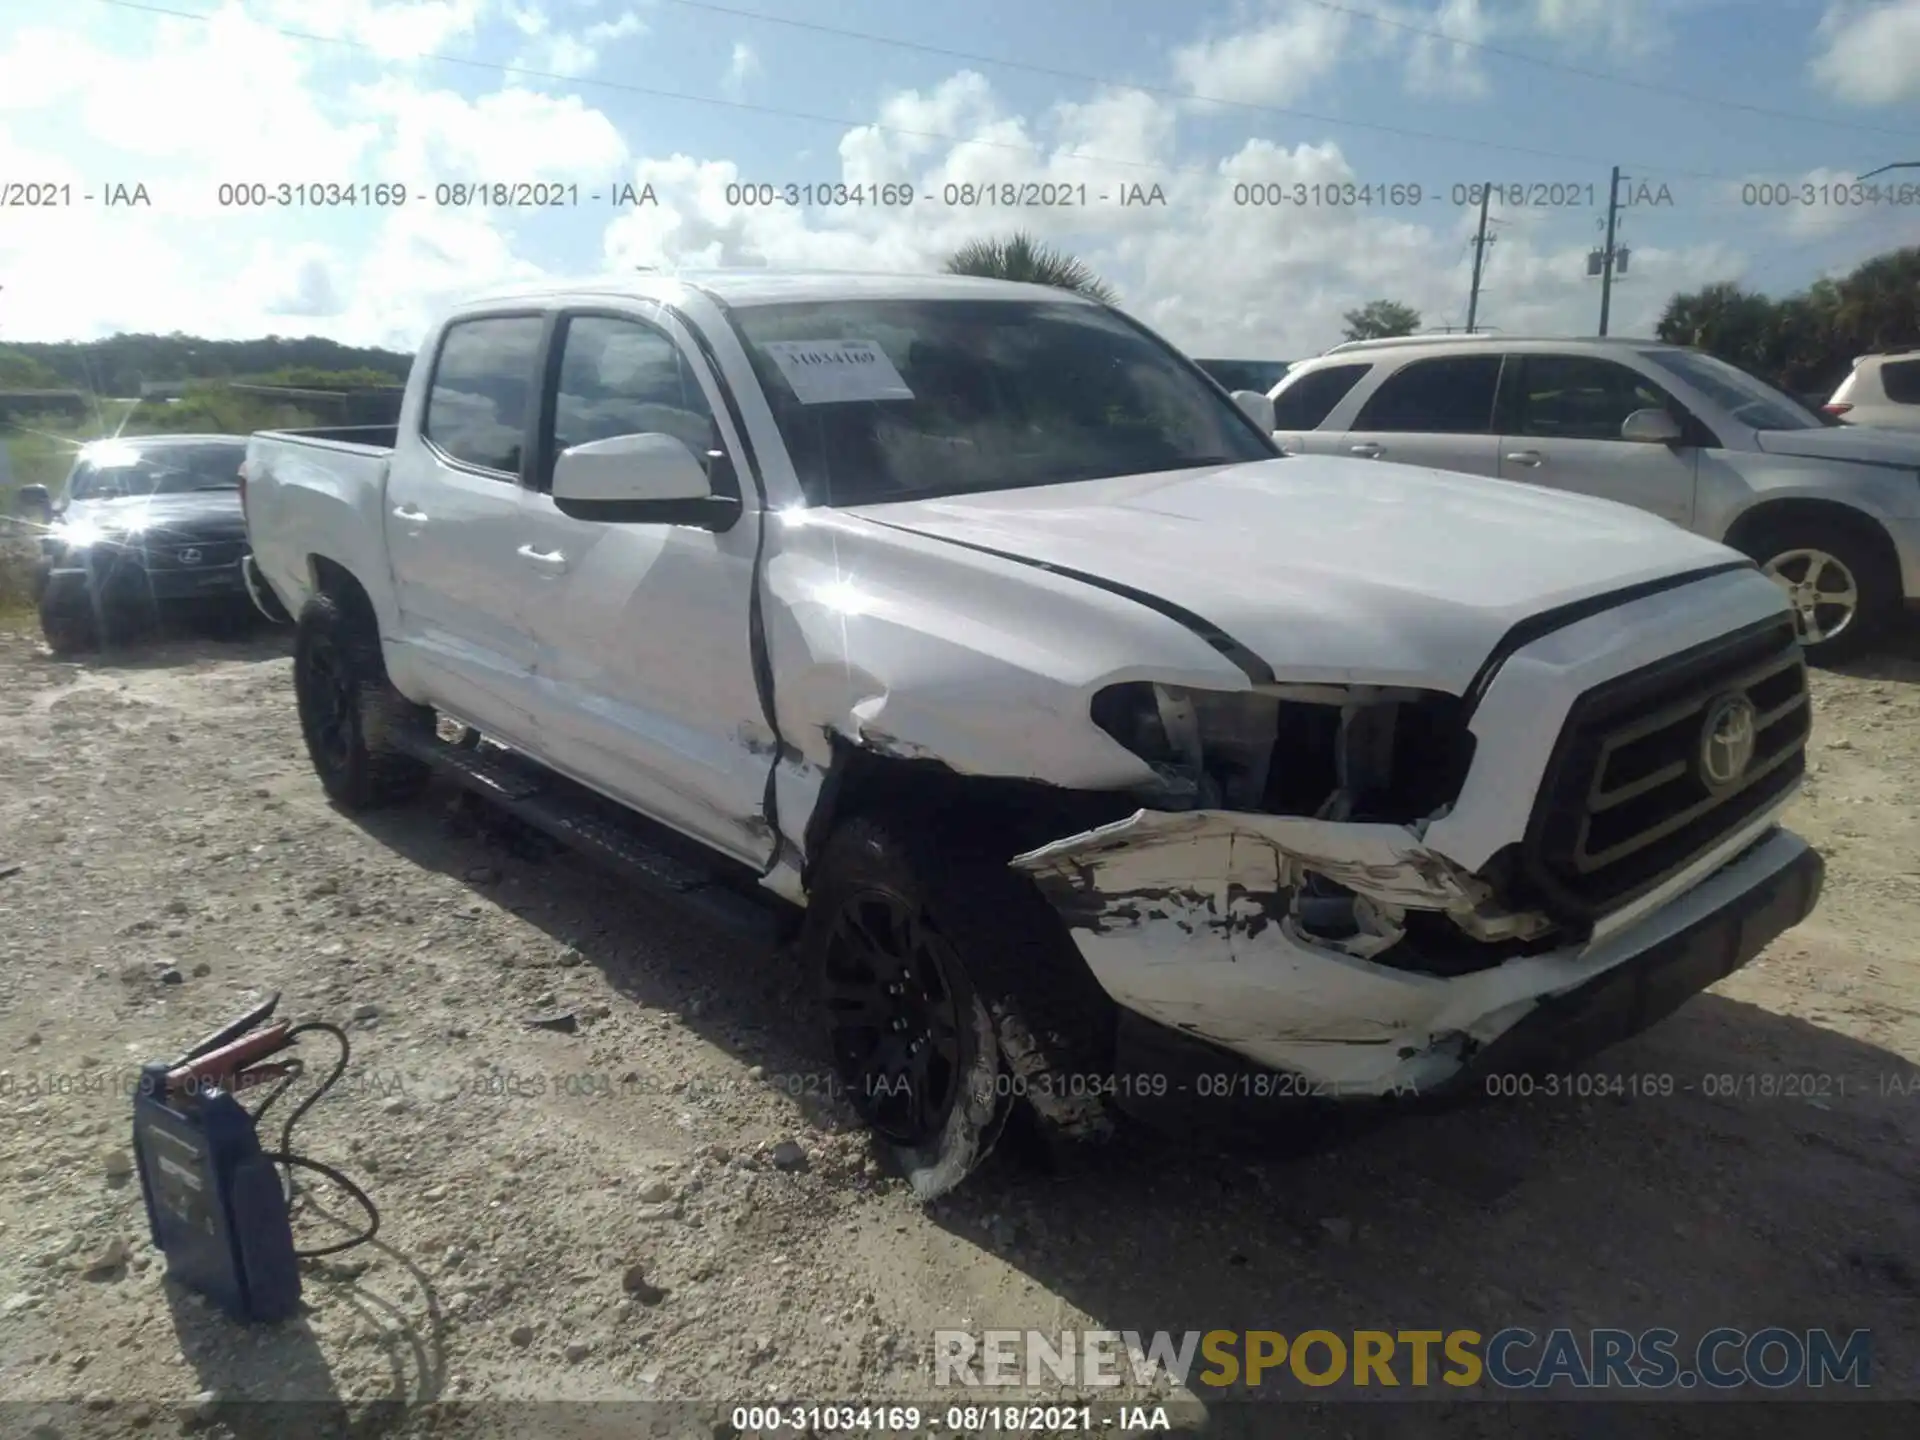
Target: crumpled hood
{"x": 1333, "y": 570}
{"x": 1844, "y": 442}
{"x": 203, "y": 514}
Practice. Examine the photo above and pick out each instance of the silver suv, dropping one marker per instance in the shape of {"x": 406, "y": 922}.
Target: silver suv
{"x": 1832, "y": 513}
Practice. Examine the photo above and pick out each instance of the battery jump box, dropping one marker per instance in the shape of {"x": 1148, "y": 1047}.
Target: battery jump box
{"x": 219, "y": 1206}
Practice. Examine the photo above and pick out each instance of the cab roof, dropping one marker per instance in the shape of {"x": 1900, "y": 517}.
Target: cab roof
{"x": 747, "y": 287}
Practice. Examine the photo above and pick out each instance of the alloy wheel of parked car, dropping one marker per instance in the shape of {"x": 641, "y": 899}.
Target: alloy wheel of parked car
{"x": 1825, "y": 595}
{"x": 1844, "y": 589}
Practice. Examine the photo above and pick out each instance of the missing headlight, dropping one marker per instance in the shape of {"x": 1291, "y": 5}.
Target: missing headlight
{"x": 1350, "y": 753}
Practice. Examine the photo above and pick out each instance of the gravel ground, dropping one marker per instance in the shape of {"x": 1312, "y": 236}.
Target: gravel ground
{"x": 657, "y": 1203}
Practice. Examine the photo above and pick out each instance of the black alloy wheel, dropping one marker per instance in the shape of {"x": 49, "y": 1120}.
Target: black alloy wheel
{"x": 893, "y": 1014}
{"x": 331, "y": 713}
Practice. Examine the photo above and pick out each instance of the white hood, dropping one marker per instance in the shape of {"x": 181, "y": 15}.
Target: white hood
{"x": 1327, "y": 569}
{"x": 1844, "y": 442}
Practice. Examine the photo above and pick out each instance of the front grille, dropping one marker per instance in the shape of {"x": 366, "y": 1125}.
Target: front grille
{"x": 171, "y": 554}
{"x": 1629, "y": 798}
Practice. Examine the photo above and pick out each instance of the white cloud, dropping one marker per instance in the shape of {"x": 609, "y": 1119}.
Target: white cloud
{"x": 627, "y": 24}
{"x": 1871, "y": 52}
{"x": 1446, "y": 67}
{"x": 303, "y": 280}
{"x": 437, "y": 135}
{"x": 1626, "y": 26}
{"x": 196, "y": 105}
{"x": 564, "y": 52}
{"x": 742, "y": 67}
{"x": 179, "y": 103}
{"x": 392, "y": 29}
{"x": 1278, "y": 60}
{"x": 1216, "y": 276}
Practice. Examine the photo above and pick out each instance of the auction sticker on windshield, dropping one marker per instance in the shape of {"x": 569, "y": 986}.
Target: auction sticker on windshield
{"x": 831, "y": 372}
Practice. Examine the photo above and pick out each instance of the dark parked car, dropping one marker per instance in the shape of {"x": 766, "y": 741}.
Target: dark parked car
{"x": 145, "y": 528}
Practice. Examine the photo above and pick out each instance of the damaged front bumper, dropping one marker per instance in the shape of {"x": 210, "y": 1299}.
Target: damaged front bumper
{"x": 1190, "y": 922}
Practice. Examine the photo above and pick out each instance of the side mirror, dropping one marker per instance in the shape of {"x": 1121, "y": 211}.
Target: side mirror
{"x": 1651, "y": 427}
{"x": 650, "y": 479}
{"x": 1256, "y": 405}
{"x": 32, "y": 502}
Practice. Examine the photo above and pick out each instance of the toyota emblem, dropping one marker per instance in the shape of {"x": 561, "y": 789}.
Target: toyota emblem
{"x": 1726, "y": 742}
{"x": 190, "y": 556}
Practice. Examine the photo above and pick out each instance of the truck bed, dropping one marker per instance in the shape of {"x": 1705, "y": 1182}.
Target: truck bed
{"x": 317, "y": 492}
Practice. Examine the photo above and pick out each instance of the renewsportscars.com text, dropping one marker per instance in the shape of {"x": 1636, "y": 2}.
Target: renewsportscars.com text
{"x": 1774, "y": 1358}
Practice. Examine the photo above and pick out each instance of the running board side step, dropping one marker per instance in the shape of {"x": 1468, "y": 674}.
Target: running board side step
{"x": 583, "y": 822}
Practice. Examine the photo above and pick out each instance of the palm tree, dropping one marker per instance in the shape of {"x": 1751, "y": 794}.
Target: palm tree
{"x": 1021, "y": 257}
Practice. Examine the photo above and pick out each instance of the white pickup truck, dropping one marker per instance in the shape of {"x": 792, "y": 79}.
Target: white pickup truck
{"x": 1095, "y": 756}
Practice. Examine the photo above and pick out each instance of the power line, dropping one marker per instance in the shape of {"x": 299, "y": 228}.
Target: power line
{"x": 842, "y": 122}
{"x": 1611, "y": 77}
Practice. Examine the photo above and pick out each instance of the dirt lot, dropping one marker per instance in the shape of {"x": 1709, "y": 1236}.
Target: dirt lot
{"x": 176, "y": 859}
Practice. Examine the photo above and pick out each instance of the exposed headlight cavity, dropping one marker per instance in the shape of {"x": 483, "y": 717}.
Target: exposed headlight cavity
{"x": 1340, "y": 753}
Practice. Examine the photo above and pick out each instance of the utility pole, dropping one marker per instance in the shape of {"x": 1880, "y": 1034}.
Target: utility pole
{"x": 1606, "y": 257}
{"x": 1479, "y": 258}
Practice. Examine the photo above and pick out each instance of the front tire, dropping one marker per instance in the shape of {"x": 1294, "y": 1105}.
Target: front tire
{"x": 350, "y": 714}
{"x": 1842, "y": 589}
{"x": 67, "y": 633}
{"x": 1035, "y": 1030}
{"x": 911, "y": 1038}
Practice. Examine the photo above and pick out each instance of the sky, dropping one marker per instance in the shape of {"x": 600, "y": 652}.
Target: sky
{"x": 1243, "y": 172}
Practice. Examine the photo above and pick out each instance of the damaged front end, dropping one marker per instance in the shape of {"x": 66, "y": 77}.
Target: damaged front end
{"x": 1275, "y": 895}
{"x": 1328, "y": 791}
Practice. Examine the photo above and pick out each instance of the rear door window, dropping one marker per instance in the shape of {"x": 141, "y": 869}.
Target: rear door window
{"x": 484, "y": 380}
{"x": 1447, "y": 395}
{"x": 1902, "y": 381}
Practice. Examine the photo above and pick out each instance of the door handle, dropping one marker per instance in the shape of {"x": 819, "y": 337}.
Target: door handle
{"x": 409, "y": 514}
{"x": 546, "y": 559}
{"x": 1367, "y": 451}
{"x": 1526, "y": 457}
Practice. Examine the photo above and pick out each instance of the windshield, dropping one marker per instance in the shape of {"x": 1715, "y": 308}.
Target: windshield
{"x": 111, "y": 471}
{"x": 898, "y": 399}
{"x": 1747, "y": 399}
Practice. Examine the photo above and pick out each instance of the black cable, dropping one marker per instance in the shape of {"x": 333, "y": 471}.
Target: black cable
{"x": 366, "y": 1203}
{"x": 285, "y": 1156}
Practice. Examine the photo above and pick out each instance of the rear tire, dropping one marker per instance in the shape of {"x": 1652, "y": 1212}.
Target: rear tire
{"x": 1843, "y": 590}
{"x": 350, "y": 713}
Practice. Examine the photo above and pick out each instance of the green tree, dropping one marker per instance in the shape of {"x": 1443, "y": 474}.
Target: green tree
{"x": 23, "y": 372}
{"x": 1021, "y": 257}
{"x": 1735, "y": 324}
{"x": 1805, "y": 343}
{"x": 1381, "y": 320}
